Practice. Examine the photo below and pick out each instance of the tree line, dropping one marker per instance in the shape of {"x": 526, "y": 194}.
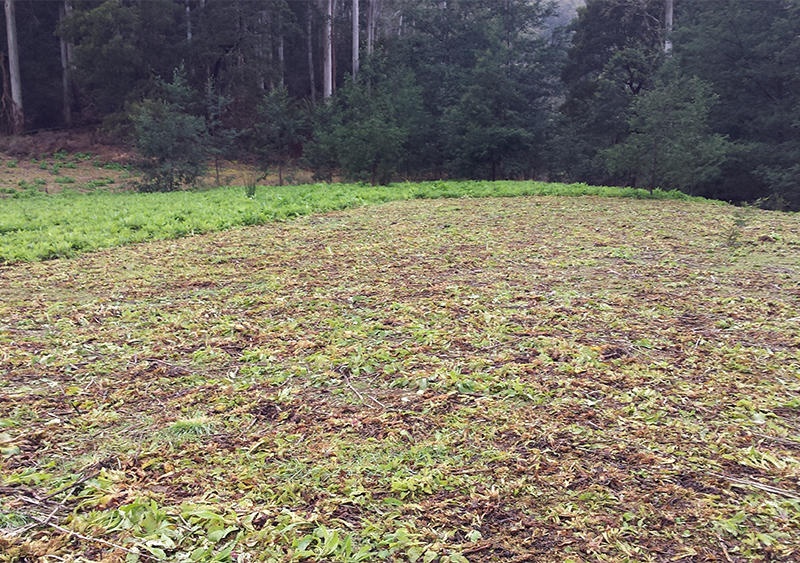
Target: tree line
{"x": 695, "y": 95}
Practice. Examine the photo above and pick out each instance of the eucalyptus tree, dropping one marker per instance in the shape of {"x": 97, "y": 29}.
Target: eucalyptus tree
{"x": 17, "y": 116}
{"x": 356, "y": 37}
{"x": 327, "y": 56}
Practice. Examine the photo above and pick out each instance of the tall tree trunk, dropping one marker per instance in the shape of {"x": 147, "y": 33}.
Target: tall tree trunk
{"x": 333, "y": 45}
{"x": 264, "y": 21}
{"x": 310, "y": 48}
{"x": 370, "y": 18}
{"x": 281, "y": 55}
{"x": 373, "y": 15}
{"x": 17, "y": 115}
{"x": 355, "y": 38}
{"x": 188, "y": 21}
{"x": 668, "y": 25}
{"x": 64, "y": 11}
{"x": 327, "y": 78}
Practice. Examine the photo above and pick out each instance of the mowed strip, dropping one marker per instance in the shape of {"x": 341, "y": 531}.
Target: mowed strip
{"x": 536, "y": 378}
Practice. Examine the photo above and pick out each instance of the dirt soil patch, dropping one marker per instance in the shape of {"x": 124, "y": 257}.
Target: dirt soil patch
{"x": 88, "y": 161}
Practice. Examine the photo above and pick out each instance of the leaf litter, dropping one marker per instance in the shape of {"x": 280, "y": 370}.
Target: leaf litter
{"x": 526, "y": 379}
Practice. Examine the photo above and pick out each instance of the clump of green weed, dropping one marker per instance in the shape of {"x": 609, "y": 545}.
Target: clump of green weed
{"x": 13, "y": 520}
{"x": 250, "y": 181}
{"x": 195, "y": 426}
{"x": 34, "y": 186}
{"x": 99, "y": 183}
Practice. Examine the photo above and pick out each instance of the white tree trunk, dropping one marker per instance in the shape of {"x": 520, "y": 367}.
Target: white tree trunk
{"x": 327, "y": 78}
{"x": 373, "y": 14}
{"x": 370, "y": 18}
{"x": 64, "y": 10}
{"x": 668, "y": 25}
{"x": 263, "y": 23}
{"x": 17, "y": 115}
{"x": 355, "y": 38}
{"x": 188, "y": 21}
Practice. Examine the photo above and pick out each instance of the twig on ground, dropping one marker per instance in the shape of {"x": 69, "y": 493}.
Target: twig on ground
{"x": 376, "y": 401}
{"x": 360, "y": 396}
{"x": 478, "y": 548}
{"x": 725, "y": 551}
{"x": 779, "y": 439}
{"x": 353, "y": 389}
{"x": 756, "y": 485}
{"x": 45, "y": 522}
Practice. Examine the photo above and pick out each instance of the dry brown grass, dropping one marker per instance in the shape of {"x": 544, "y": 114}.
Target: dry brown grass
{"x": 21, "y": 165}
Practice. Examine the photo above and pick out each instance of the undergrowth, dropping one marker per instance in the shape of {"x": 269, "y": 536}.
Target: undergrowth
{"x": 61, "y": 225}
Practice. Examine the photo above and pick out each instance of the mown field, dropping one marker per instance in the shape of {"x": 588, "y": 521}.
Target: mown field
{"x": 538, "y": 378}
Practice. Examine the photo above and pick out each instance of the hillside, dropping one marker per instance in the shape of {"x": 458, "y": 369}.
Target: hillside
{"x": 520, "y": 379}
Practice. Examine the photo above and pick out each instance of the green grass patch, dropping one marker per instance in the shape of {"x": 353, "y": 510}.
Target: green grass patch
{"x": 69, "y": 223}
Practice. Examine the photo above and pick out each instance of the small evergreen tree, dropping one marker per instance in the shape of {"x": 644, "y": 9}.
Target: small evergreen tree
{"x": 280, "y": 127}
{"x": 319, "y": 152}
{"x": 670, "y": 144}
{"x": 373, "y": 121}
{"x": 172, "y": 143}
{"x": 220, "y": 141}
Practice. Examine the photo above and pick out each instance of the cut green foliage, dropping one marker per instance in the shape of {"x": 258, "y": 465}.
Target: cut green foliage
{"x": 457, "y": 380}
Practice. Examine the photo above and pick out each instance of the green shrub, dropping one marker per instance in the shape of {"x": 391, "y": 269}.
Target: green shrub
{"x": 170, "y": 140}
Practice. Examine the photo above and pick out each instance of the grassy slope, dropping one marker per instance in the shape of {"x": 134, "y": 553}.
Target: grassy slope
{"x": 526, "y": 379}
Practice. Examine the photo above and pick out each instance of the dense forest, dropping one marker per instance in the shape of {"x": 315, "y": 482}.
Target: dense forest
{"x": 695, "y": 95}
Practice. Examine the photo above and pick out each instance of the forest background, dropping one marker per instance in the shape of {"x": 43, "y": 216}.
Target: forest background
{"x": 695, "y": 95}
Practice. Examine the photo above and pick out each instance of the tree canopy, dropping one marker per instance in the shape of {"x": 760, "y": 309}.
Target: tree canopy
{"x": 487, "y": 89}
